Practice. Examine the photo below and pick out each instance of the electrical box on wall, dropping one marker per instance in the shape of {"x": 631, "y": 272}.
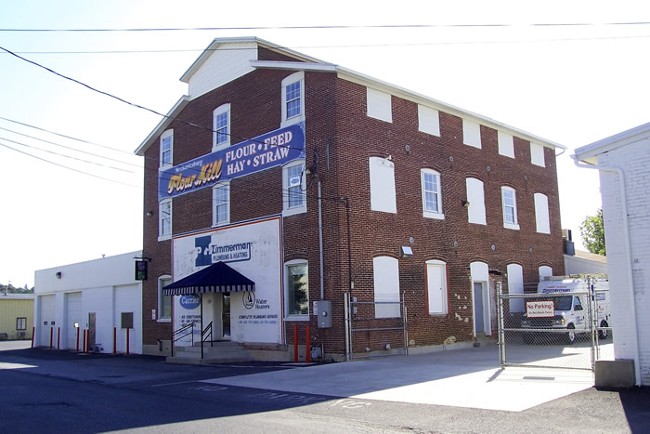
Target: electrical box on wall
{"x": 323, "y": 308}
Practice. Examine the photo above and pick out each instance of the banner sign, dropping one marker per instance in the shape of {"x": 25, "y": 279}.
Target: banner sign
{"x": 260, "y": 153}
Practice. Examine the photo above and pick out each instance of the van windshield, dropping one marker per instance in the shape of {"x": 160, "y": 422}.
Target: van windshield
{"x": 563, "y": 303}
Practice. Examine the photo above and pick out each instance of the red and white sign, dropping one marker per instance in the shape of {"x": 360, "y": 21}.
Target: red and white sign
{"x": 540, "y": 309}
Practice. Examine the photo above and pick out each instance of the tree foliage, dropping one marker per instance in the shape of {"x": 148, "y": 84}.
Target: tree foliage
{"x": 592, "y": 231}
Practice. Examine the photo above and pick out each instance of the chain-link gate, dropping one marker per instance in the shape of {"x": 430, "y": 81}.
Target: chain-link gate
{"x": 375, "y": 328}
{"x": 555, "y": 330}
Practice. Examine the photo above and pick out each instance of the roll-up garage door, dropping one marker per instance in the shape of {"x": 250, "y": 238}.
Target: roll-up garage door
{"x": 47, "y": 316}
{"x": 73, "y": 315}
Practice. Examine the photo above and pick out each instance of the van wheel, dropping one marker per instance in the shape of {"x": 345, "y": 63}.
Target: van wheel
{"x": 570, "y": 337}
{"x": 603, "y": 334}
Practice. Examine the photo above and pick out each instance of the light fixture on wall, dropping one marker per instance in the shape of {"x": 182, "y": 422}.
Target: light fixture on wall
{"x": 149, "y": 213}
{"x": 58, "y": 274}
{"x": 406, "y": 252}
{"x": 465, "y": 203}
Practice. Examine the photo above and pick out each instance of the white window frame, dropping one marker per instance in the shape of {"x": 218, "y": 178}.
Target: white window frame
{"x": 472, "y": 133}
{"x": 475, "y": 203}
{"x": 220, "y": 187}
{"x": 385, "y": 271}
{"x": 297, "y": 77}
{"x": 506, "y": 194}
{"x": 506, "y": 144}
{"x": 437, "y": 268}
{"x": 379, "y": 105}
{"x": 537, "y": 155}
{"x": 169, "y": 134}
{"x": 163, "y": 206}
{"x": 542, "y": 216}
{"x": 428, "y": 120}
{"x": 289, "y": 186}
{"x": 515, "y": 274}
{"x": 436, "y": 212}
{"x": 382, "y": 185}
{"x": 222, "y": 109}
{"x": 544, "y": 271}
{"x": 164, "y": 281}
{"x": 287, "y": 266}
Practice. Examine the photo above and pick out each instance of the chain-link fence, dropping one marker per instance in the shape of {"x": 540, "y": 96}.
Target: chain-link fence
{"x": 557, "y": 330}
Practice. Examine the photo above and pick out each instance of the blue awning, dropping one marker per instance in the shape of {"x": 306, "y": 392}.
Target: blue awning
{"x": 218, "y": 277}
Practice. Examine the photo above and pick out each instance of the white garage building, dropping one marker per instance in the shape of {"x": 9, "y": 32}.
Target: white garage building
{"x": 94, "y": 305}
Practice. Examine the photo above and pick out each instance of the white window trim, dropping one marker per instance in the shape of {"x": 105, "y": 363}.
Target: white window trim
{"x": 383, "y": 191}
{"x": 428, "y": 120}
{"x": 506, "y": 144}
{"x": 224, "y": 108}
{"x": 295, "y": 317}
{"x": 381, "y": 281}
{"x": 286, "y": 211}
{"x": 471, "y": 133}
{"x": 476, "y": 211}
{"x": 379, "y": 105}
{"x": 298, "y": 76}
{"x": 161, "y": 236}
{"x": 445, "y": 288}
{"x": 542, "y": 214}
{"x": 437, "y": 214}
{"x": 506, "y": 224}
{"x": 160, "y": 297}
{"x": 537, "y": 155}
{"x": 225, "y": 185}
{"x": 166, "y": 134}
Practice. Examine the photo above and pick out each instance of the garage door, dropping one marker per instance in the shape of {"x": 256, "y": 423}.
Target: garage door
{"x": 72, "y": 315}
{"x": 128, "y": 300}
{"x": 46, "y": 317}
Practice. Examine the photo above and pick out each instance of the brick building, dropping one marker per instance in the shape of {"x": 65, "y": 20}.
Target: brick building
{"x": 315, "y": 183}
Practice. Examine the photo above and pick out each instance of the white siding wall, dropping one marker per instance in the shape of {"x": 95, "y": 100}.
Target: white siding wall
{"x": 128, "y": 299}
{"x": 222, "y": 67}
{"x": 634, "y": 159}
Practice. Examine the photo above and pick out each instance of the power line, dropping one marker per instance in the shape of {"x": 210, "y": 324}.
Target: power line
{"x": 72, "y": 149}
{"x": 58, "y": 154}
{"x": 325, "y": 27}
{"x": 68, "y": 167}
{"x": 65, "y": 136}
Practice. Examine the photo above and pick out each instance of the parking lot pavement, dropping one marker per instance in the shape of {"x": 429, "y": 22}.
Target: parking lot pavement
{"x": 468, "y": 377}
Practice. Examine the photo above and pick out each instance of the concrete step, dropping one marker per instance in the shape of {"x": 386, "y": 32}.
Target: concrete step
{"x": 218, "y": 352}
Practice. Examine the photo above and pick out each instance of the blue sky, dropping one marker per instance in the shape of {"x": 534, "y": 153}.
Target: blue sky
{"x": 569, "y": 84}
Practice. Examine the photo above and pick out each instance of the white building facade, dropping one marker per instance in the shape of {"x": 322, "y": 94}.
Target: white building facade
{"x": 624, "y": 164}
{"x": 94, "y": 305}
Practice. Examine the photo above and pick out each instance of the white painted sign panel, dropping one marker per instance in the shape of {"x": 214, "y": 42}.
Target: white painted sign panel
{"x": 253, "y": 249}
{"x": 540, "y": 309}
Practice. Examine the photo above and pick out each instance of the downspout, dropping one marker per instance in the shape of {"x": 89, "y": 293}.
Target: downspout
{"x": 320, "y": 242}
{"x": 628, "y": 255}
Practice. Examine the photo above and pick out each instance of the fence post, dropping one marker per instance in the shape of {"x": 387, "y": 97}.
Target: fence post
{"x": 77, "y": 338}
{"x": 33, "y": 331}
{"x": 58, "y": 338}
{"x": 346, "y": 320}
{"x": 114, "y": 340}
{"x": 501, "y": 322}
{"x": 51, "y": 336}
{"x": 127, "y": 341}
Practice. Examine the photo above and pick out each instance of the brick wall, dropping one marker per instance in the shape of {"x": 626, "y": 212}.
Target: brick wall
{"x": 340, "y": 139}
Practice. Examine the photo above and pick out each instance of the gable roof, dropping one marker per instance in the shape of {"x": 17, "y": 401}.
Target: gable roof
{"x": 307, "y": 63}
{"x": 589, "y": 153}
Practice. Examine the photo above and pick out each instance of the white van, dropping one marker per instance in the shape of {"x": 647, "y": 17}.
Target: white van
{"x": 562, "y": 302}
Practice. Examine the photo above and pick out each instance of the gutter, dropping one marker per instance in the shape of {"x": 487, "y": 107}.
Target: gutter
{"x": 628, "y": 255}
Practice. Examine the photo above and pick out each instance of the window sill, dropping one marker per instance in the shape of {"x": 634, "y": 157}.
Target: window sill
{"x": 433, "y": 215}
{"x": 164, "y": 320}
{"x": 292, "y": 121}
{"x": 511, "y": 226}
{"x": 164, "y": 237}
{"x": 220, "y": 147}
{"x": 297, "y": 318}
{"x": 294, "y": 211}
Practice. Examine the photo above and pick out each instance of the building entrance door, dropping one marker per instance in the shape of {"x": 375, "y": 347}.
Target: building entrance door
{"x": 225, "y": 316}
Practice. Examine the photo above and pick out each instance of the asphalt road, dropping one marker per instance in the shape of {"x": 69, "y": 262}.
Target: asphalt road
{"x": 43, "y": 391}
